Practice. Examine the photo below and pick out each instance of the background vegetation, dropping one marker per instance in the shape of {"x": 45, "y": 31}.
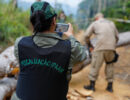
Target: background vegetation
{"x": 13, "y": 23}
{"x": 112, "y": 9}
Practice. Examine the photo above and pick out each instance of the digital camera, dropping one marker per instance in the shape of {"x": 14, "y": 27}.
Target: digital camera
{"x": 61, "y": 27}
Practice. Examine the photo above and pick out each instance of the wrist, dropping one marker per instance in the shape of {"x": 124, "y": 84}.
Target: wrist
{"x": 68, "y": 34}
{"x": 72, "y": 38}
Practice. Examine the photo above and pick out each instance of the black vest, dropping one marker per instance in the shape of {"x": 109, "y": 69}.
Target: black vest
{"x": 43, "y": 70}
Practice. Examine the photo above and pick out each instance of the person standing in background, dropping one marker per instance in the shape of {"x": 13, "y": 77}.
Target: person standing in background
{"x": 107, "y": 37}
{"x": 62, "y": 17}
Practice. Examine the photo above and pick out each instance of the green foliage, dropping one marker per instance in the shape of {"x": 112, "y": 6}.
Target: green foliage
{"x": 70, "y": 19}
{"x": 122, "y": 27}
{"x": 119, "y": 9}
{"x": 83, "y": 13}
{"x": 13, "y": 23}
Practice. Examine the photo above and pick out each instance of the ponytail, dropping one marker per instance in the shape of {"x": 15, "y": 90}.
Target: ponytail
{"x": 39, "y": 22}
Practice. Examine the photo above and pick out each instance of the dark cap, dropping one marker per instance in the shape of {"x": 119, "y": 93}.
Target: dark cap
{"x": 44, "y": 7}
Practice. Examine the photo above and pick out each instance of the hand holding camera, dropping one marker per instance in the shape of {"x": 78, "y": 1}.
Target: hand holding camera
{"x": 65, "y": 29}
{"x": 70, "y": 31}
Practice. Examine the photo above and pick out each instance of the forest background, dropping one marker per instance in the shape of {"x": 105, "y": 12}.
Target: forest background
{"x": 14, "y": 21}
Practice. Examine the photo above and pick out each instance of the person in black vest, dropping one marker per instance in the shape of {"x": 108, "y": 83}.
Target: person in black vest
{"x": 45, "y": 59}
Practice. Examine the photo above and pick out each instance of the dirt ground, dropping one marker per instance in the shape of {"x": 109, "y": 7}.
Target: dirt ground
{"x": 121, "y": 83}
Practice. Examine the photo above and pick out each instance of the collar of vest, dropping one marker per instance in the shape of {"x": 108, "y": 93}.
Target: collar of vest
{"x": 49, "y": 35}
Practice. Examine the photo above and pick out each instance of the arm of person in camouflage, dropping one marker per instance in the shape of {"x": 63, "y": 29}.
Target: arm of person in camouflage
{"x": 78, "y": 55}
{"x": 78, "y": 52}
{"x": 16, "y": 48}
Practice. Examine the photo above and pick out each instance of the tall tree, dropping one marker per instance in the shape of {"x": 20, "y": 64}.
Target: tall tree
{"x": 124, "y": 5}
{"x": 15, "y": 3}
{"x": 99, "y": 5}
{"x": 104, "y": 6}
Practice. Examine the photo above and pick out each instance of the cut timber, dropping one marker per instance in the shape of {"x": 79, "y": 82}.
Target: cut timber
{"x": 78, "y": 94}
{"x": 7, "y": 86}
{"x": 124, "y": 39}
{"x": 7, "y": 61}
{"x": 83, "y": 92}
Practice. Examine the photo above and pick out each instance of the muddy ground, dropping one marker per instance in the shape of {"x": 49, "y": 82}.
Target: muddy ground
{"x": 121, "y": 83}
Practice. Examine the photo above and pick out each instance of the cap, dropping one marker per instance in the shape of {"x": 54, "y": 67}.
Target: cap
{"x": 98, "y": 15}
{"x": 44, "y": 7}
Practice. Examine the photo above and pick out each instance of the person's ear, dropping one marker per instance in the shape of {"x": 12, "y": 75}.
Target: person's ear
{"x": 54, "y": 21}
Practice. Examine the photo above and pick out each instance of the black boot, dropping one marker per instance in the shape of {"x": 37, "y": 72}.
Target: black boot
{"x": 109, "y": 87}
{"x": 91, "y": 86}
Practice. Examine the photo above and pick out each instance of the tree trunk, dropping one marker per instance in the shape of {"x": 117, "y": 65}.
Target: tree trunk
{"x": 7, "y": 61}
{"x": 7, "y": 86}
{"x": 124, "y": 5}
{"x": 38, "y": 0}
{"x": 104, "y": 7}
{"x": 95, "y": 7}
{"x": 15, "y": 3}
{"x": 99, "y": 5}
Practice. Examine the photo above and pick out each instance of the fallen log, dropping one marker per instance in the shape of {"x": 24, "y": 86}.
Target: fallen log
{"x": 124, "y": 39}
{"x": 7, "y": 86}
{"x": 7, "y": 61}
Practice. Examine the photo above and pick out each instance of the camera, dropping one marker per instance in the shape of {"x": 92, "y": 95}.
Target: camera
{"x": 61, "y": 27}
